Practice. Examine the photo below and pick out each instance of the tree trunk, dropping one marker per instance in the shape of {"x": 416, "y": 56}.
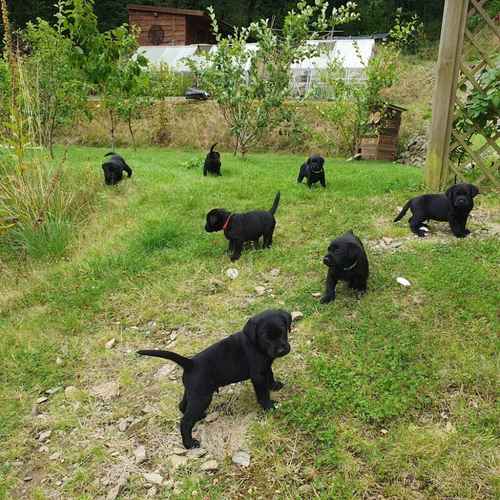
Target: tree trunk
{"x": 112, "y": 119}
{"x": 51, "y": 136}
{"x": 130, "y": 129}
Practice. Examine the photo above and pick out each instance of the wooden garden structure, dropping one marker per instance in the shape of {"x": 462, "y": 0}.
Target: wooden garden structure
{"x": 470, "y": 44}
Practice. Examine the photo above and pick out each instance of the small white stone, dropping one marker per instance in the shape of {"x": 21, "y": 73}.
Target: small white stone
{"x": 115, "y": 491}
{"x": 209, "y": 466}
{"x": 165, "y": 370}
{"x": 260, "y": 290}
{"x": 196, "y": 453}
{"x": 53, "y": 390}
{"x": 274, "y": 272}
{"x": 403, "y": 281}
{"x": 153, "y": 478}
{"x": 70, "y": 391}
{"x": 152, "y": 492}
{"x": 296, "y": 315}
{"x": 110, "y": 343}
{"x": 177, "y": 461}
{"x": 41, "y": 400}
{"x": 152, "y": 326}
{"x": 59, "y": 361}
{"x": 179, "y": 451}
{"x": 123, "y": 424}
{"x": 148, "y": 409}
{"x": 43, "y": 436}
{"x": 55, "y": 456}
{"x": 316, "y": 295}
{"x": 232, "y": 273}
{"x": 140, "y": 454}
{"x": 106, "y": 391}
{"x": 241, "y": 457}
{"x": 211, "y": 417}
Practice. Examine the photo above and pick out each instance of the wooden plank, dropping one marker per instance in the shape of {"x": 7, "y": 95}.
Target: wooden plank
{"x": 450, "y": 51}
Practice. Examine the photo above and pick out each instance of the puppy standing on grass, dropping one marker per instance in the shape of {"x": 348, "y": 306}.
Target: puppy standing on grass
{"x": 212, "y": 162}
{"x": 248, "y": 354}
{"x": 239, "y": 228}
{"x": 113, "y": 168}
{"x": 347, "y": 261}
{"x": 313, "y": 171}
{"x": 454, "y": 207}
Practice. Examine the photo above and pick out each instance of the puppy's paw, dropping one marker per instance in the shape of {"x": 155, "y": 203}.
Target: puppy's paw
{"x": 268, "y": 405}
{"x": 193, "y": 444}
{"x": 276, "y": 386}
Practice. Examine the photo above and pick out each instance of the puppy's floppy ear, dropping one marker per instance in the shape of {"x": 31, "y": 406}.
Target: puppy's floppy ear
{"x": 250, "y": 330}
{"x": 288, "y": 319}
{"x": 473, "y": 190}
{"x": 449, "y": 192}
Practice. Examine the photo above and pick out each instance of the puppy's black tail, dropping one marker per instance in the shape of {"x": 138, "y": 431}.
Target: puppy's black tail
{"x": 403, "y": 211}
{"x": 212, "y": 148}
{"x": 185, "y": 363}
{"x": 275, "y": 203}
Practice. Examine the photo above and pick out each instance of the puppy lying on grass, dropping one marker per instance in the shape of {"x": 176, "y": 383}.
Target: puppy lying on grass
{"x": 239, "y": 228}
{"x": 113, "y": 168}
{"x": 212, "y": 162}
{"x": 347, "y": 261}
{"x": 453, "y": 206}
{"x": 248, "y": 354}
{"x": 313, "y": 171}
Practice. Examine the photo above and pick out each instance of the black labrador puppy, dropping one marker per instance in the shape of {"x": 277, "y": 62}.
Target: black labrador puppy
{"x": 113, "y": 167}
{"x": 212, "y": 162}
{"x": 313, "y": 171}
{"x": 453, "y": 206}
{"x": 239, "y": 228}
{"x": 248, "y": 354}
{"x": 347, "y": 261}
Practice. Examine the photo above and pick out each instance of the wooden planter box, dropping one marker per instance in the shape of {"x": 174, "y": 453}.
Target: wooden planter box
{"x": 382, "y": 144}
{"x": 380, "y": 147}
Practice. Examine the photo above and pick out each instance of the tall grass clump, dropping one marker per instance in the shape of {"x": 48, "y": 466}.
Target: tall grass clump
{"x": 42, "y": 206}
{"x": 41, "y": 203}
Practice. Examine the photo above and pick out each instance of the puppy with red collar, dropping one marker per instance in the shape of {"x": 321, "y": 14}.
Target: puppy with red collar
{"x": 239, "y": 228}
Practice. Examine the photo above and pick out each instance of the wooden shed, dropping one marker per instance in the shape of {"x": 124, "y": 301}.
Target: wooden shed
{"x": 169, "y": 26}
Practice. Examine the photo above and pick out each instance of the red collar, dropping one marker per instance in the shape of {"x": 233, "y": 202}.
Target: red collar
{"x": 224, "y": 227}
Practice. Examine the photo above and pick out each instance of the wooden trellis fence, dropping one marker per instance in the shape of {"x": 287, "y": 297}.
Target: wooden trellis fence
{"x": 469, "y": 46}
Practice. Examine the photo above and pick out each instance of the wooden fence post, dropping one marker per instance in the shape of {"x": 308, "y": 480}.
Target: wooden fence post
{"x": 443, "y": 102}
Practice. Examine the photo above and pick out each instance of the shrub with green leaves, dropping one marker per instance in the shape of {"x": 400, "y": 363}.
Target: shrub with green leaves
{"x": 353, "y": 99}
{"x": 250, "y": 85}
{"x": 165, "y": 82}
{"x": 53, "y": 89}
{"x": 407, "y": 35}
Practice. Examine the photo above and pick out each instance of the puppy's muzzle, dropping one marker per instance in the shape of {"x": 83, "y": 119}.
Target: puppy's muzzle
{"x": 461, "y": 202}
{"x": 282, "y": 350}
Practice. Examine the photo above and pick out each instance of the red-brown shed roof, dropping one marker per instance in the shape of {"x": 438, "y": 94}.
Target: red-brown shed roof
{"x": 166, "y": 10}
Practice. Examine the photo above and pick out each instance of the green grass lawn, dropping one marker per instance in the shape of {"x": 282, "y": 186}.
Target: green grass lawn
{"x": 389, "y": 396}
